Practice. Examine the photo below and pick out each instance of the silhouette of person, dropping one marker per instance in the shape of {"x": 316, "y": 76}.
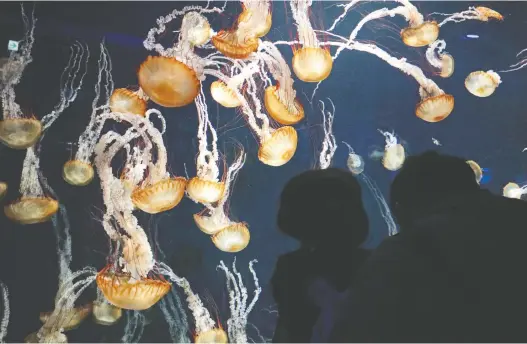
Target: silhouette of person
{"x": 323, "y": 210}
{"x": 454, "y": 273}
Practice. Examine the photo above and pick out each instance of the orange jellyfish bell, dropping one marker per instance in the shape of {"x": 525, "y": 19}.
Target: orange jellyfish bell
{"x": 20, "y": 133}
{"x": 279, "y": 148}
{"x": 232, "y": 239}
{"x": 106, "y": 314}
{"x": 122, "y": 291}
{"x": 394, "y": 157}
{"x": 216, "y": 335}
{"x": 224, "y": 95}
{"x": 74, "y": 316}
{"x": 161, "y": 196}
{"x": 3, "y": 189}
{"x": 285, "y": 114}
{"x": 421, "y": 35}
{"x": 312, "y": 64}
{"x": 229, "y": 44}
{"x": 168, "y": 82}
{"x": 262, "y": 28}
{"x": 447, "y": 66}
{"x": 486, "y": 13}
{"x": 435, "y": 109}
{"x": 205, "y": 191}
{"x": 210, "y": 225}
{"x": 30, "y": 210}
{"x": 482, "y": 84}
{"x": 478, "y": 172}
{"x": 126, "y": 101}
{"x": 77, "y": 173}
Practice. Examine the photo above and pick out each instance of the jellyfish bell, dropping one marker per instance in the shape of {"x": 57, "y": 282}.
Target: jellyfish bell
{"x": 199, "y": 31}
{"x": 31, "y": 210}
{"x": 232, "y": 239}
{"x": 421, "y": 35}
{"x": 312, "y": 64}
{"x": 285, "y": 114}
{"x": 161, "y": 196}
{"x": 279, "y": 148}
{"x": 73, "y": 316}
{"x": 125, "y": 292}
{"x": 229, "y": 44}
{"x": 224, "y": 95}
{"x": 205, "y": 191}
{"x": 355, "y": 164}
{"x": 512, "y": 190}
{"x": 77, "y": 173}
{"x": 106, "y": 314}
{"x": 394, "y": 157}
{"x": 3, "y": 189}
{"x": 125, "y": 101}
{"x": 216, "y": 335}
{"x": 436, "y": 108}
{"x": 211, "y": 224}
{"x": 168, "y": 82}
{"x": 20, "y": 133}
{"x": 262, "y": 27}
{"x": 482, "y": 84}
{"x": 447, "y": 66}
{"x": 478, "y": 172}
{"x": 486, "y": 13}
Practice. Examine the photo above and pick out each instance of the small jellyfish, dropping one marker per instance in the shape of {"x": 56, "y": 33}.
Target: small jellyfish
{"x": 20, "y": 133}
{"x": 199, "y": 31}
{"x": 224, "y": 95}
{"x": 447, "y": 66}
{"x": 74, "y": 316}
{"x": 486, "y": 13}
{"x": 394, "y": 154}
{"x": 482, "y": 84}
{"x": 106, "y": 314}
{"x": 285, "y": 114}
{"x": 230, "y": 44}
{"x": 3, "y": 189}
{"x": 279, "y": 148}
{"x": 216, "y": 335}
{"x": 209, "y": 224}
{"x": 262, "y": 27}
{"x": 205, "y": 191}
{"x": 78, "y": 173}
{"x": 312, "y": 64}
{"x": 421, "y": 35}
{"x": 436, "y": 108}
{"x": 126, "y": 101}
{"x": 168, "y": 82}
{"x": 31, "y": 210}
{"x": 232, "y": 239}
{"x": 478, "y": 172}
{"x": 161, "y": 196}
{"x": 355, "y": 162}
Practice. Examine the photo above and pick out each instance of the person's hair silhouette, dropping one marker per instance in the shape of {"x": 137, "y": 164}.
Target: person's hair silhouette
{"x": 323, "y": 210}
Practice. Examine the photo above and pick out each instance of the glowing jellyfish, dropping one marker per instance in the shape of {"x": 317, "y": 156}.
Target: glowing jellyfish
{"x": 447, "y": 66}
{"x": 329, "y": 144}
{"x": 478, "y": 172}
{"x": 233, "y": 238}
{"x": 355, "y": 162}
{"x": 312, "y": 62}
{"x": 74, "y": 315}
{"x": 125, "y": 101}
{"x": 199, "y": 31}
{"x": 251, "y": 17}
{"x": 435, "y": 108}
{"x": 420, "y": 35}
{"x": 216, "y": 335}
{"x": 437, "y": 57}
{"x": 231, "y": 45}
{"x": 77, "y": 172}
{"x": 224, "y": 95}
{"x": 31, "y": 210}
{"x": 20, "y": 133}
{"x": 482, "y": 84}
{"x": 160, "y": 196}
{"x": 279, "y": 148}
{"x": 394, "y": 154}
{"x": 281, "y": 113}
{"x": 3, "y": 189}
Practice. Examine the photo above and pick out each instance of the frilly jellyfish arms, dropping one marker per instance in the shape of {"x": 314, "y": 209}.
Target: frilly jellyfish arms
{"x": 239, "y": 308}
{"x": 438, "y": 58}
{"x": 5, "y": 312}
{"x": 329, "y": 145}
{"x": 473, "y": 13}
{"x": 135, "y": 325}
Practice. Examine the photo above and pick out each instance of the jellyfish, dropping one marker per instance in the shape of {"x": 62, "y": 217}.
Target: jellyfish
{"x": 440, "y": 59}
{"x": 394, "y": 154}
{"x": 127, "y": 101}
{"x": 312, "y": 62}
{"x": 478, "y": 172}
{"x": 224, "y": 95}
{"x": 216, "y": 335}
{"x": 473, "y": 13}
{"x": 16, "y": 130}
{"x": 5, "y": 312}
{"x": 35, "y": 206}
{"x": 206, "y": 187}
{"x": 232, "y": 239}
{"x": 3, "y": 189}
{"x": 482, "y": 84}
{"x": 105, "y": 313}
{"x": 329, "y": 145}
{"x": 242, "y": 40}
{"x": 513, "y": 190}
{"x": 199, "y": 31}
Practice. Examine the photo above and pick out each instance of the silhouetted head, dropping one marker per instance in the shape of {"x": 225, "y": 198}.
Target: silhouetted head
{"x": 427, "y": 179}
{"x": 323, "y": 208}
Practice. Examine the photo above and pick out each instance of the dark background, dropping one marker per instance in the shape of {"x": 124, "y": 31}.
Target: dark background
{"x": 368, "y": 94}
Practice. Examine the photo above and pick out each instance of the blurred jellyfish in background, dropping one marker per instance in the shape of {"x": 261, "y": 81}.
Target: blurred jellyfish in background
{"x": 3, "y": 189}
{"x": 513, "y": 190}
{"x": 394, "y": 154}
{"x": 135, "y": 325}
{"x": 478, "y": 172}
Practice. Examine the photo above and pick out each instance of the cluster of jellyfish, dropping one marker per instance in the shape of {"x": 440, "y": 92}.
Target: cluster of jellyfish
{"x": 240, "y": 60}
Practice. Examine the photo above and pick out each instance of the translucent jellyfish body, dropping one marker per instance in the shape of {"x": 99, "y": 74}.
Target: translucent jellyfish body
{"x": 20, "y": 133}
{"x": 30, "y": 210}
{"x": 205, "y": 191}
{"x": 279, "y": 148}
{"x": 3, "y": 189}
{"x": 285, "y": 114}
{"x": 224, "y": 95}
{"x": 126, "y": 101}
{"x": 447, "y": 66}
{"x": 168, "y": 82}
{"x": 199, "y": 31}
{"x": 421, "y": 35}
{"x": 232, "y": 239}
{"x": 231, "y": 45}
{"x": 312, "y": 64}
{"x": 216, "y": 335}
{"x": 355, "y": 163}
{"x": 478, "y": 172}
{"x": 435, "y": 109}
{"x": 161, "y": 196}
{"x": 125, "y": 292}
{"x": 482, "y": 84}
{"x": 394, "y": 157}
{"x": 105, "y": 313}
{"x": 262, "y": 26}
{"x": 73, "y": 316}
{"x": 486, "y": 13}
{"x": 78, "y": 173}
{"x": 211, "y": 225}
